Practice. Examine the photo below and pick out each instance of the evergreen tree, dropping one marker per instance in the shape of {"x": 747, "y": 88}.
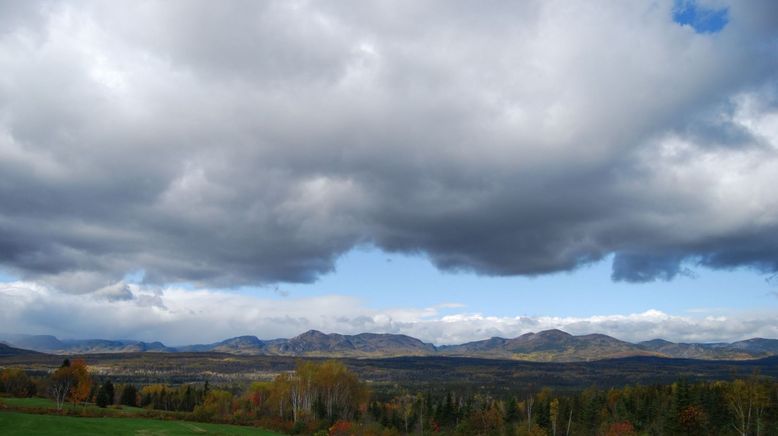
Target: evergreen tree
{"x": 109, "y": 390}
{"x": 681, "y": 399}
{"x": 512, "y": 412}
{"x": 102, "y": 397}
{"x": 129, "y": 396}
{"x": 188, "y": 402}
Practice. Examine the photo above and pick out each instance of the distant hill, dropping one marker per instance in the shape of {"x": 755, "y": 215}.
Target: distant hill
{"x": 249, "y": 345}
{"x": 695, "y": 351}
{"x": 316, "y": 343}
{"x": 549, "y": 345}
{"x": 7, "y": 350}
{"x": 766, "y": 346}
{"x": 368, "y": 344}
{"x": 748, "y": 349}
{"x": 50, "y": 344}
{"x": 544, "y": 346}
{"x": 35, "y": 342}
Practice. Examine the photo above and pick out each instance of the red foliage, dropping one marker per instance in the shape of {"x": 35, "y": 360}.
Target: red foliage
{"x": 693, "y": 419}
{"x": 257, "y": 398}
{"x": 341, "y": 428}
{"x": 624, "y": 428}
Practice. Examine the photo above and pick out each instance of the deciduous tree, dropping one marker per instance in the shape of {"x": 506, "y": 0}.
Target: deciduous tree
{"x": 83, "y": 381}
{"x": 61, "y": 383}
{"x": 15, "y": 382}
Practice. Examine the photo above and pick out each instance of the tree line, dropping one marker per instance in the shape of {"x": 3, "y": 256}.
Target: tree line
{"x": 742, "y": 407}
{"x": 325, "y": 398}
{"x": 314, "y": 397}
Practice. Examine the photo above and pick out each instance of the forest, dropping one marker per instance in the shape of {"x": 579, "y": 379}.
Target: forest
{"x": 326, "y": 398}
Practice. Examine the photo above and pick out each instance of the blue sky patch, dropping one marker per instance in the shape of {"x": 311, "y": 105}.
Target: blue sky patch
{"x": 701, "y": 19}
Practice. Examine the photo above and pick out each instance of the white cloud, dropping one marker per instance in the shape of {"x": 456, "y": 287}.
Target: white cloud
{"x": 180, "y": 316}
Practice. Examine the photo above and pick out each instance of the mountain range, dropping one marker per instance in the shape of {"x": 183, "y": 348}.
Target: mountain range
{"x": 548, "y": 345}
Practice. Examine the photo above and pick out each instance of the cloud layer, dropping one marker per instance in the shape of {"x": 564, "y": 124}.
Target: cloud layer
{"x": 251, "y": 142}
{"x": 177, "y": 316}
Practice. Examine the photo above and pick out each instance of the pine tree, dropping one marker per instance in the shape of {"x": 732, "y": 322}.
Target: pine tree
{"x": 129, "y": 396}
{"x": 102, "y": 397}
{"x": 109, "y": 390}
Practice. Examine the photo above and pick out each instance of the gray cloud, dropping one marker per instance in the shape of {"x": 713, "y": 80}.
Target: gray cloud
{"x": 116, "y": 292}
{"x": 250, "y": 143}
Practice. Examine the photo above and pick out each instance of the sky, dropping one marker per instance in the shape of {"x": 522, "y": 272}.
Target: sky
{"x": 191, "y": 171}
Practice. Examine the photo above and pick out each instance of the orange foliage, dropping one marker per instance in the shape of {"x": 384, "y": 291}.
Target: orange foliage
{"x": 80, "y": 391}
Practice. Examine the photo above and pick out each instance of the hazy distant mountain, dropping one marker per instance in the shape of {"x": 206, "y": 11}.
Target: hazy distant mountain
{"x": 549, "y": 345}
{"x": 316, "y": 343}
{"x": 7, "y": 350}
{"x": 240, "y": 345}
{"x": 689, "y": 351}
{"x": 34, "y": 342}
{"x": 748, "y": 349}
{"x": 50, "y": 344}
{"x": 757, "y": 345}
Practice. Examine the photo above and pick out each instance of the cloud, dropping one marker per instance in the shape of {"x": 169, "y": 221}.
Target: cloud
{"x": 250, "y": 143}
{"x": 177, "y": 316}
{"x": 116, "y": 292}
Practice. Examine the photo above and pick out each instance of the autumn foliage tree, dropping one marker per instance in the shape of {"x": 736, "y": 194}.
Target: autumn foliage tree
{"x": 339, "y": 390}
{"x": 217, "y": 404}
{"x": 748, "y": 400}
{"x": 325, "y": 390}
{"x": 623, "y": 428}
{"x": 15, "y": 382}
{"x": 71, "y": 380}
{"x": 83, "y": 386}
{"x": 62, "y": 380}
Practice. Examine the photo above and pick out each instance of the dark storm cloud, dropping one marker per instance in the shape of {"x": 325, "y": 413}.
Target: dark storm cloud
{"x": 253, "y": 142}
{"x": 641, "y": 268}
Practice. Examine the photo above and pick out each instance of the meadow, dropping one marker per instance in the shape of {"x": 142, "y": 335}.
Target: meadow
{"x": 16, "y": 423}
{"x": 45, "y": 403}
{"x": 38, "y": 416}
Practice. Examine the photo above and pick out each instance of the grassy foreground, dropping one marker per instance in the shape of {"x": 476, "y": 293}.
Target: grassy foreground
{"x": 15, "y": 423}
{"x": 46, "y": 403}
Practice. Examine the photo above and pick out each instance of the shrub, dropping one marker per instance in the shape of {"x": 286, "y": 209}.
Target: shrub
{"x": 16, "y": 382}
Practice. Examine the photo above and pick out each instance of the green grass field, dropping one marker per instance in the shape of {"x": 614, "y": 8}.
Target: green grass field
{"x": 50, "y": 404}
{"x": 14, "y": 423}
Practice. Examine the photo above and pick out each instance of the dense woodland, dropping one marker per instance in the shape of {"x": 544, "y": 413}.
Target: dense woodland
{"x": 326, "y": 398}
